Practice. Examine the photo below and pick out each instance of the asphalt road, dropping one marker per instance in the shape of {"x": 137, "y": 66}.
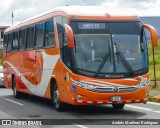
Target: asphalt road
{"x": 31, "y": 107}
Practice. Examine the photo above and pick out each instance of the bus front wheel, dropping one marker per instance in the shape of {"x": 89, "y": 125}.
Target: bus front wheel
{"x": 59, "y": 106}
{"x": 118, "y": 106}
{"x": 15, "y": 92}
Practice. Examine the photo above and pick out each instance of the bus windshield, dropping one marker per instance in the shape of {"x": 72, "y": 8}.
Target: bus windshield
{"x": 110, "y": 50}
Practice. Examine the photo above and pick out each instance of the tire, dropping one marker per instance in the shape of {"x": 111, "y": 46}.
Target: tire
{"x": 118, "y": 106}
{"x": 16, "y": 93}
{"x": 58, "y": 105}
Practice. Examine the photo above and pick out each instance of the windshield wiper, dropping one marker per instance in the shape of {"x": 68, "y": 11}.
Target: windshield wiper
{"x": 125, "y": 63}
{"x": 102, "y": 64}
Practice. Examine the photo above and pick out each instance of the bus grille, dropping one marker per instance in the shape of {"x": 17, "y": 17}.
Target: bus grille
{"x": 111, "y": 89}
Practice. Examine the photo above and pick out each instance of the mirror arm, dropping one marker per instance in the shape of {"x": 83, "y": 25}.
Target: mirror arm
{"x": 69, "y": 35}
{"x": 153, "y": 32}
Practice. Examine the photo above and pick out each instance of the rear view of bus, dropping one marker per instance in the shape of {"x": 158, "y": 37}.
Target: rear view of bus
{"x": 80, "y": 55}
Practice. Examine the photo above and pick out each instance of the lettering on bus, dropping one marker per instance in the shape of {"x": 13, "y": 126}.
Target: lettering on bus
{"x": 84, "y": 25}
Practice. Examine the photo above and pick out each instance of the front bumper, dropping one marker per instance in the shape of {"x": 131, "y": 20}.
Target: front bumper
{"x": 89, "y": 97}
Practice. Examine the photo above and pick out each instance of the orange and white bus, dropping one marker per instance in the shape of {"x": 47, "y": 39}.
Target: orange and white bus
{"x": 79, "y": 55}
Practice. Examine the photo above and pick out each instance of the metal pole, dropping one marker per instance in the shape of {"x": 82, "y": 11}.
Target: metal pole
{"x": 12, "y": 18}
{"x": 154, "y": 68}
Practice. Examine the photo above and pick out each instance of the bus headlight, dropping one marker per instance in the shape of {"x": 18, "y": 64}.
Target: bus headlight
{"x": 143, "y": 83}
{"x": 83, "y": 85}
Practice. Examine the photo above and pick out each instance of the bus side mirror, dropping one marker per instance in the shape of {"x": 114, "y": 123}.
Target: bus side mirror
{"x": 154, "y": 35}
{"x": 69, "y": 35}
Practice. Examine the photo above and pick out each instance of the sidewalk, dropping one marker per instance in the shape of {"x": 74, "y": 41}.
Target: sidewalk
{"x": 154, "y": 95}
{"x": 154, "y": 92}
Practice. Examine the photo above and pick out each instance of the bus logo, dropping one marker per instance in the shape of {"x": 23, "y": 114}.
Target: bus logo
{"x": 114, "y": 76}
{"x": 115, "y": 89}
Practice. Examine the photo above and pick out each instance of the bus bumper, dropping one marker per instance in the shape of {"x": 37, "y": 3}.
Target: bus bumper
{"x": 85, "y": 97}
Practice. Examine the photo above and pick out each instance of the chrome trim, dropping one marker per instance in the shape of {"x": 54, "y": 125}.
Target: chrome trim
{"x": 109, "y": 87}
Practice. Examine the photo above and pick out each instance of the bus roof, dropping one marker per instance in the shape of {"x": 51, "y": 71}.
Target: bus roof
{"x": 81, "y": 13}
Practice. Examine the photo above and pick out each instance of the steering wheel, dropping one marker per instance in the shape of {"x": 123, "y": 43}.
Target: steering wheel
{"x": 96, "y": 59}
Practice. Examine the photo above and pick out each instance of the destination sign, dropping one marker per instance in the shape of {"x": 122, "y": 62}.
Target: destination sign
{"x": 86, "y": 25}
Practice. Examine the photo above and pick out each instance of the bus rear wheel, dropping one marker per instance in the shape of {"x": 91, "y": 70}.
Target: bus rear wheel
{"x": 118, "y": 106}
{"x": 16, "y": 93}
{"x": 59, "y": 106}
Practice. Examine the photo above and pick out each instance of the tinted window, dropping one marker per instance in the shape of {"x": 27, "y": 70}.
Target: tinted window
{"x": 66, "y": 52}
{"x": 5, "y": 42}
{"x": 60, "y": 29}
{"x": 39, "y": 35}
{"x": 49, "y": 34}
{"x": 5, "y": 39}
{"x": 15, "y": 41}
{"x": 22, "y": 39}
{"x": 30, "y": 37}
{"x": 9, "y": 42}
{"x": 63, "y": 45}
{"x": 127, "y": 27}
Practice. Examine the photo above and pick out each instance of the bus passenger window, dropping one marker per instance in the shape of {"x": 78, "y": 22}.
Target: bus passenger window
{"x": 39, "y": 35}
{"x": 9, "y": 42}
{"x": 30, "y": 37}
{"x": 49, "y": 34}
{"x": 15, "y": 41}
{"x": 5, "y": 42}
{"x": 22, "y": 39}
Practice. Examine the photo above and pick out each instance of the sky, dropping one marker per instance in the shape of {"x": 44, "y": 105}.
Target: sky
{"x": 24, "y": 9}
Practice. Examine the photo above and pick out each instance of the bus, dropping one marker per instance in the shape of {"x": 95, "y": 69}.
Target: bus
{"x": 79, "y": 55}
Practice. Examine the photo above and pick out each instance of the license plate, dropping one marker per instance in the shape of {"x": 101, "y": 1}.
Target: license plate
{"x": 116, "y": 98}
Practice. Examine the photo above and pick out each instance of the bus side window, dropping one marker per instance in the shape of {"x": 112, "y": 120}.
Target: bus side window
{"x": 39, "y": 35}
{"x": 49, "y": 34}
{"x": 30, "y": 37}
{"x": 60, "y": 29}
{"x": 22, "y": 39}
{"x": 66, "y": 52}
{"x": 15, "y": 41}
{"x": 5, "y": 42}
{"x": 9, "y": 42}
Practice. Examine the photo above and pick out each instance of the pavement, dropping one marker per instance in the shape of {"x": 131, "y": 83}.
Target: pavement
{"x": 154, "y": 95}
{"x": 34, "y": 108}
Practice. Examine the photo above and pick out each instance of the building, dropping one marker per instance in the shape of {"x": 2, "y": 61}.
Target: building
{"x": 2, "y": 29}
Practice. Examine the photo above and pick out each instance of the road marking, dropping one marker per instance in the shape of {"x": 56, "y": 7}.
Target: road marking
{"x": 137, "y": 107}
{"x": 142, "y": 108}
{"x": 13, "y": 101}
{"x": 80, "y": 126}
{"x": 153, "y": 103}
{"x": 157, "y": 111}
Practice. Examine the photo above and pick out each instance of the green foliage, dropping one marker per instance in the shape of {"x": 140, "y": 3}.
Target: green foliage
{"x": 157, "y": 61}
{"x": 0, "y": 61}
